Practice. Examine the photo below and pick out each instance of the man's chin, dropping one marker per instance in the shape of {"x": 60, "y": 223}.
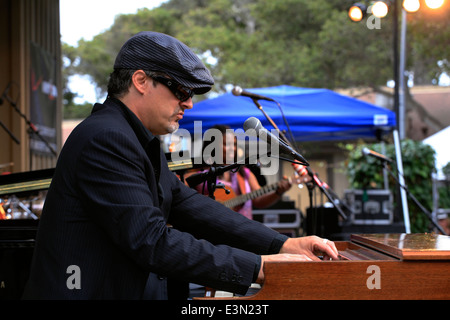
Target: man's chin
{"x": 173, "y": 128}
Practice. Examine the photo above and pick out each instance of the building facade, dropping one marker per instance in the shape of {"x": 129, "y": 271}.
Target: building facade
{"x": 30, "y": 84}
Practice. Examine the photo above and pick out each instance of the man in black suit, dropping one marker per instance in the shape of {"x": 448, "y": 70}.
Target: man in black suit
{"x": 117, "y": 223}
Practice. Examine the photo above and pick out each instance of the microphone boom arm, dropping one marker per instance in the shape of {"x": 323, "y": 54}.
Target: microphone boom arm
{"x": 314, "y": 177}
{"x": 283, "y": 137}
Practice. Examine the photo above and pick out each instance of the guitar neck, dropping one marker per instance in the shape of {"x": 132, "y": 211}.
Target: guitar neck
{"x": 249, "y": 196}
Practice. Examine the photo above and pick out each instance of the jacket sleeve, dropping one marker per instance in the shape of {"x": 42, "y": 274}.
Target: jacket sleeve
{"x": 113, "y": 178}
{"x": 208, "y": 219}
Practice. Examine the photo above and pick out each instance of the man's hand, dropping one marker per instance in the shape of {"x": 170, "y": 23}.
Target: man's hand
{"x": 311, "y": 246}
{"x": 301, "y": 249}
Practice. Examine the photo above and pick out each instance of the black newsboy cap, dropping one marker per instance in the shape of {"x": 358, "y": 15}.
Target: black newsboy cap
{"x": 156, "y": 51}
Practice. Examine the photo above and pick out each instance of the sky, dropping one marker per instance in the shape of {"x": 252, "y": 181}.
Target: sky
{"x": 87, "y": 18}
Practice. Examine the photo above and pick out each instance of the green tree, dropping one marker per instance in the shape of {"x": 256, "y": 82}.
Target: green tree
{"x": 427, "y": 40}
{"x": 258, "y": 43}
{"x": 77, "y": 111}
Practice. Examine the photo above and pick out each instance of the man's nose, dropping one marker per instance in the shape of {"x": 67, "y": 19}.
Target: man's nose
{"x": 188, "y": 104}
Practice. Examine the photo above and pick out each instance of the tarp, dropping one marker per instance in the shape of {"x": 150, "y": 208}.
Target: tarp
{"x": 312, "y": 114}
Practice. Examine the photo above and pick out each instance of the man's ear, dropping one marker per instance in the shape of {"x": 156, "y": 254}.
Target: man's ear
{"x": 140, "y": 81}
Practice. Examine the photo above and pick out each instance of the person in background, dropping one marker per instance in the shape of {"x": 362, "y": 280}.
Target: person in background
{"x": 241, "y": 181}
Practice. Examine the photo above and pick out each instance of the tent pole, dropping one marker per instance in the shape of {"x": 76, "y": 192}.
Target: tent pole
{"x": 401, "y": 179}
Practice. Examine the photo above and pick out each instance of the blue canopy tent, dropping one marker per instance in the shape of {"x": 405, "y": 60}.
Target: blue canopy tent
{"x": 312, "y": 114}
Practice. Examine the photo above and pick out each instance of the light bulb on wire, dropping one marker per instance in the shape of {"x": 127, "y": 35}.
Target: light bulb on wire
{"x": 434, "y": 4}
{"x": 411, "y": 5}
{"x": 380, "y": 9}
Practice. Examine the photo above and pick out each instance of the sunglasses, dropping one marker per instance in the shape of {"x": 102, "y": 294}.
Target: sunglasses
{"x": 182, "y": 93}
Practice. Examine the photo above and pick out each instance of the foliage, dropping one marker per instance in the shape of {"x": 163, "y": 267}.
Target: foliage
{"x": 446, "y": 169}
{"x": 428, "y": 30}
{"x": 77, "y": 111}
{"x": 258, "y": 43}
{"x": 418, "y": 164}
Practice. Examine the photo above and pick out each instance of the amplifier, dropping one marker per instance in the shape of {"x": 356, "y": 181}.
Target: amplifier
{"x": 370, "y": 207}
{"x": 286, "y": 221}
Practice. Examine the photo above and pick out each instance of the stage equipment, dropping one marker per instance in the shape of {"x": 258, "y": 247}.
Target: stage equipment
{"x": 370, "y": 207}
{"x": 18, "y": 193}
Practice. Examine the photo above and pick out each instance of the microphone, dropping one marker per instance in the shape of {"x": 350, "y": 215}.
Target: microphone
{"x": 237, "y": 91}
{"x": 254, "y": 123}
{"x": 379, "y": 156}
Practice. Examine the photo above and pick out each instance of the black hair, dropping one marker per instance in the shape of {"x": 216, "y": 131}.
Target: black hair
{"x": 221, "y": 127}
{"x": 120, "y": 81}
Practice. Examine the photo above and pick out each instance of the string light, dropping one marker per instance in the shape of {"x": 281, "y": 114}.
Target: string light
{"x": 380, "y": 9}
{"x": 434, "y": 4}
{"x": 356, "y": 12}
{"x": 411, "y": 5}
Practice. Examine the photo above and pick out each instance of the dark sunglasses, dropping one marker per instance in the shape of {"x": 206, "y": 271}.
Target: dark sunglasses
{"x": 182, "y": 93}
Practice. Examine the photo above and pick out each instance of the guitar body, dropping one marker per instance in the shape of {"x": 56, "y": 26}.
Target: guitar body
{"x": 235, "y": 202}
{"x": 222, "y": 197}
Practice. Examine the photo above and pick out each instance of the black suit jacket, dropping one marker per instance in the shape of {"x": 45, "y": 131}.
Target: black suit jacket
{"x": 105, "y": 221}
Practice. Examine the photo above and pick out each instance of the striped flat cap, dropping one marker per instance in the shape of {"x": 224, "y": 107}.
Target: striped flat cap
{"x": 156, "y": 51}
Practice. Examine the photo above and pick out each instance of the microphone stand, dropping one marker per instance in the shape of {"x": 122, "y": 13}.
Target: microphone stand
{"x": 421, "y": 207}
{"x": 31, "y": 126}
{"x": 210, "y": 177}
{"x": 9, "y": 132}
{"x": 211, "y": 181}
{"x": 314, "y": 178}
{"x": 16, "y": 140}
{"x": 317, "y": 182}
